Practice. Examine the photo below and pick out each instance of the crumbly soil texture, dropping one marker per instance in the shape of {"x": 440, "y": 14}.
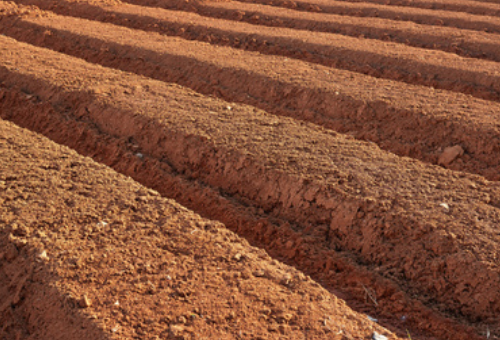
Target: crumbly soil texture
{"x": 253, "y": 169}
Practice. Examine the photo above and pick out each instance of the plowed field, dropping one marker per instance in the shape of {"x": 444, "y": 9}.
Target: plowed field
{"x": 354, "y": 144}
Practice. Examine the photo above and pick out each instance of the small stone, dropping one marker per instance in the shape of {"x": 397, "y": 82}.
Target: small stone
{"x": 445, "y": 206}
{"x": 259, "y": 273}
{"x": 43, "y": 255}
{"x": 237, "y": 257}
{"x": 176, "y": 330}
{"x": 151, "y": 288}
{"x": 377, "y": 336}
{"x": 101, "y": 224}
{"x": 450, "y": 154}
{"x": 285, "y": 280}
{"x": 84, "y": 302}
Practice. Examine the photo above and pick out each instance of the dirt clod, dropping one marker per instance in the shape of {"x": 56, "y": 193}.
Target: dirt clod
{"x": 450, "y": 154}
{"x": 84, "y": 302}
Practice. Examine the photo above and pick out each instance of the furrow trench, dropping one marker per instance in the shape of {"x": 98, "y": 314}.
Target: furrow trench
{"x": 437, "y": 18}
{"x": 332, "y": 192}
{"x": 382, "y": 111}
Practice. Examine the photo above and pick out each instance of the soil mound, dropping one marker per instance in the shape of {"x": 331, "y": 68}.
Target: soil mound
{"x": 412, "y": 242}
{"x": 87, "y": 253}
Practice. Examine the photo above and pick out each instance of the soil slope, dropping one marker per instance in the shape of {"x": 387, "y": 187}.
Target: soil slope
{"x": 385, "y": 211}
{"x": 295, "y": 140}
{"x": 90, "y": 254}
{"x": 378, "y": 110}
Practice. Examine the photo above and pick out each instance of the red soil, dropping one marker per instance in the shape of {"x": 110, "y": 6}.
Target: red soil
{"x": 300, "y": 90}
{"x": 482, "y": 7}
{"x": 149, "y": 268}
{"x": 486, "y": 23}
{"x": 467, "y": 43}
{"x": 412, "y": 244}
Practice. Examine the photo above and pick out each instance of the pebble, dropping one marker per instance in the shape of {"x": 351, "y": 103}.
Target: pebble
{"x": 84, "y": 302}
{"x": 445, "y": 206}
{"x": 101, "y": 224}
{"x": 43, "y": 255}
{"x": 450, "y": 154}
{"x": 176, "y": 330}
{"x": 259, "y": 273}
{"x": 285, "y": 280}
{"x": 377, "y": 336}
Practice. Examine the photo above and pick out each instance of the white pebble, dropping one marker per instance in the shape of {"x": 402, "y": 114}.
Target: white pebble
{"x": 101, "y": 224}
{"x": 445, "y": 205}
{"x": 43, "y": 255}
{"x": 377, "y": 336}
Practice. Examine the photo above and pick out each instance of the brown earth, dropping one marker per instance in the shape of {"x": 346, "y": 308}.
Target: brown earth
{"x": 385, "y": 112}
{"x": 327, "y": 203}
{"x": 410, "y": 243}
{"x": 486, "y": 23}
{"x": 466, "y": 43}
{"x": 90, "y": 254}
{"x": 380, "y": 59}
{"x": 482, "y": 7}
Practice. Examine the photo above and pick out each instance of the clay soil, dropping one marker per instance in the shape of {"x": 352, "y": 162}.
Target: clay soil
{"x": 345, "y": 169}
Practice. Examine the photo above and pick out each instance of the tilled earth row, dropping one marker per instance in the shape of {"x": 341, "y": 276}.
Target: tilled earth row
{"x": 378, "y": 110}
{"x": 434, "y": 17}
{"x": 357, "y": 200}
{"x": 90, "y": 254}
{"x": 373, "y": 57}
{"x": 483, "y": 7}
{"x": 410, "y": 243}
{"x": 464, "y": 42}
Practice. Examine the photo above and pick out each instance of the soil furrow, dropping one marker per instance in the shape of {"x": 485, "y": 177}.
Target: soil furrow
{"x": 378, "y": 110}
{"x": 420, "y": 16}
{"x": 473, "y": 7}
{"x": 348, "y": 279}
{"x": 410, "y": 220}
{"x": 480, "y": 78}
{"x": 132, "y": 246}
{"x": 466, "y": 43}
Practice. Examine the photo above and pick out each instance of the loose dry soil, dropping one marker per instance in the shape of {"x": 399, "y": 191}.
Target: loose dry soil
{"x": 347, "y": 161}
